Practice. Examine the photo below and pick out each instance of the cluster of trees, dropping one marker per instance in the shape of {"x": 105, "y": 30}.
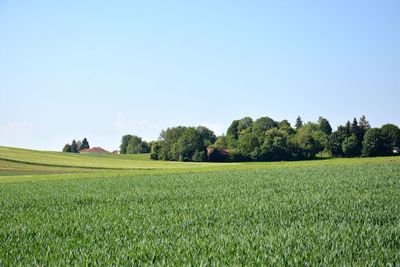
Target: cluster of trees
{"x": 359, "y": 139}
{"x": 183, "y": 144}
{"x": 76, "y": 146}
{"x": 132, "y": 144}
{"x": 268, "y": 140}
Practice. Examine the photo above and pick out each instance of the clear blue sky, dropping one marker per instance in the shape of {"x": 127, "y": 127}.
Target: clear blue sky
{"x": 74, "y": 69}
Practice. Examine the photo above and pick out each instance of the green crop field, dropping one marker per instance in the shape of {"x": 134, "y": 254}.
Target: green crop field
{"x": 67, "y": 209}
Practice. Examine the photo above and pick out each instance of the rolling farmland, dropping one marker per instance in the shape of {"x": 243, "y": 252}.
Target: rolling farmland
{"x": 58, "y": 209}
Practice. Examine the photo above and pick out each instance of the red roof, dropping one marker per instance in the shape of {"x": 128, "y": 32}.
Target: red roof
{"x": 94, "y": 150}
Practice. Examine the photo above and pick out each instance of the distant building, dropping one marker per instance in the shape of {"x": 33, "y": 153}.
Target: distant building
{"x": 93, "y": 150}
{"x": 116, "y": 152}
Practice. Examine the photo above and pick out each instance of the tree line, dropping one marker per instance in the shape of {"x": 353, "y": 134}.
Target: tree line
{"x": 268, "y": 140}
{"x": 76, "y": 146}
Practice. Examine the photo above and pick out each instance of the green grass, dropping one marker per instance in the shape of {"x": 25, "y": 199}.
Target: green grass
{"x": 88, "y": 161}
{"x": 62, "y": 209}
{"x": 141, "y": 157}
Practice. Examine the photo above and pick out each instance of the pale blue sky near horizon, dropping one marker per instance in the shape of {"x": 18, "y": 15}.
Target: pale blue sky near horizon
{"x": 101, "y": 69}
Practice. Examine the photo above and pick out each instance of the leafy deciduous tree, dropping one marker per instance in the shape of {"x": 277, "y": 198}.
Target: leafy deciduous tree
{"x": 275, "y": 146}
{"x": 374, "y": 143}
{"x": 324, "y": 125}
{"x": 392, "y": 135}
{"x": 244, "y": 124}
{"x": 169, "y": 138}
{"x": 67, "y": 148}
{"x": 136, "y": 145}
{"x": 124, "y": 143}
{"x": 191, "y": 147}
{"x": 155, "y": 149}
{"x": 208, "y": 136}
{"x": 262, "y": 125}
{"x": 247, "y": 147}
{"x": 350, "y": 146}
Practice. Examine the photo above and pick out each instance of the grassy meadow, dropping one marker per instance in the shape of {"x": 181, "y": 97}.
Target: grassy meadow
{"x": 68, "y": 209}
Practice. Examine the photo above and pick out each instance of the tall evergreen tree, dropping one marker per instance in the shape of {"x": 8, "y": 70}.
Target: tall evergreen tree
{"x": 354, "y": 126}
{"x": 299, "y": 123}
{"x": 357, "y": 137}
{"x": 348, "y": 128}
{"x": 85, "y": 144}
{"x": 364, "y": 124}
{"x": 74, "y": 147}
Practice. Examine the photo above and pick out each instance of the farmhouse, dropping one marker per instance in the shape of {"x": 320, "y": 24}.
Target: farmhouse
{"x": 94, "y": 150}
